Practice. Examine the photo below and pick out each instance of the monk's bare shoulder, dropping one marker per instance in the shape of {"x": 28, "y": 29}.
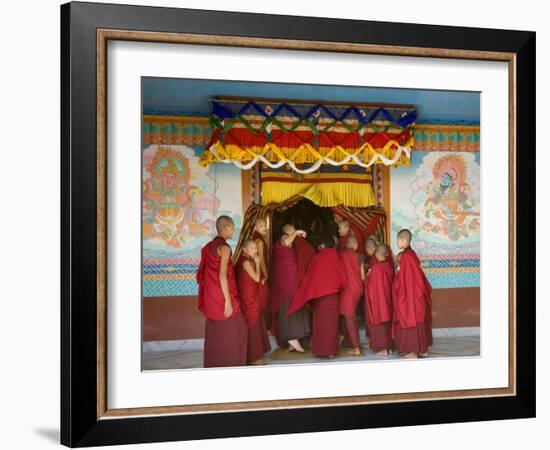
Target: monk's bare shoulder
{"x": 224, "y": 250}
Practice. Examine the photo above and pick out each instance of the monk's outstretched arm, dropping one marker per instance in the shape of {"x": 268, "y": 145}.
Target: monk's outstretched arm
{"x": 225, "y": 254}
{"x": 288, "y": 239}
{"x": 261, "y": 250}
{"x": 363, "y": 271}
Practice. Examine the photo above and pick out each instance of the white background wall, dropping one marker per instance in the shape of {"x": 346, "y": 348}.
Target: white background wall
{"x": 29, "y": 329}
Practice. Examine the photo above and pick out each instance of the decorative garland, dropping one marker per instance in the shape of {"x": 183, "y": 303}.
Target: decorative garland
{"x": 218, "y": 153}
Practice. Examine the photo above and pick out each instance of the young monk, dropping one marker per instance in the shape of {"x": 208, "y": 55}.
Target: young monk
{"x": 325, "y": 278}
{"x": 259, "y": 235}
{"x": 412, "y": 301}
{"x": 249, "y": 281}
{"x": 378, "y": 302}
{"x": 350, "y": 295}
{"x": 344, "y": 231}
{"x": 288, "y": 328}
{"x": 370, "y": 249}
{"x": 371, "y": 244}
{"x": 225, "y": 336}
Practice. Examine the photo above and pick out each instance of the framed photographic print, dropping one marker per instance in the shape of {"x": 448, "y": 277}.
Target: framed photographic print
{"x": 277, "y": 224}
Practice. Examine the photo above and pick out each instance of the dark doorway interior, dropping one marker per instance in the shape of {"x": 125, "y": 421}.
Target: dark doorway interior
{"x": 317, "y": 221}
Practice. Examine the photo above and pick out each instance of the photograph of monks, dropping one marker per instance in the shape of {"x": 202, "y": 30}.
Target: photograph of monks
{"x": 305, "y": 224}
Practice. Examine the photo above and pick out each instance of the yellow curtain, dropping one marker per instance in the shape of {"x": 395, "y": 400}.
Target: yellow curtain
{"x": 358, "y": 195}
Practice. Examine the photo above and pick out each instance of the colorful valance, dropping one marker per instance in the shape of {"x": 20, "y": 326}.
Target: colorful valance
{"x": 291, "y": 134}
{"x": 187, "y": 130}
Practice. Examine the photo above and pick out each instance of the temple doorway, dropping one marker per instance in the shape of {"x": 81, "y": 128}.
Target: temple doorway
{"x": 318, "y": 222}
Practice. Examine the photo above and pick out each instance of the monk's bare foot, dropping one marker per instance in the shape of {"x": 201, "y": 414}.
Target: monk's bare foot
{"x": 410, "y": 355}
{"x": 382, "y": 353}
{"x": 295, "y": 344}
{"x": 258, "y": 362}
{"x": 341, "y": 339}
{"x": 355, "y": 351}
{"x": 423, "y": 355}
{"x": 330, "y": 356}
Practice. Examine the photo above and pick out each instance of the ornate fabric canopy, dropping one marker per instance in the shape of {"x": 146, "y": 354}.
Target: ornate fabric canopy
{"x": 305, "y": 136}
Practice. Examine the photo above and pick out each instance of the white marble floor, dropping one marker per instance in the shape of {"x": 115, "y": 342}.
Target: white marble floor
{"x": 190, "y": 356}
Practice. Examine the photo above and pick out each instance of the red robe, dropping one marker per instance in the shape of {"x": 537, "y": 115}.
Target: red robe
{"x": 324, "y": 279}
{"x": 343, "y": 242}
{"x": 378, "y": 287}
{"x": 284, "y": 276}
{"x": 250, "y": 300}
{"x": 249, "y": 292}
{"x": 412, "y": 304}
{"x": 378, "y": 305}
{"x": 304, "y": 252}
{"x": 211, "y": 299}
{"x": 225, "y": 339}
{"x": 353, "y": 290}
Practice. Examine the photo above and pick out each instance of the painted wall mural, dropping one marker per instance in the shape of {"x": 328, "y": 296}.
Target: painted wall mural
{"x": 181, "y": 200}
{"x": 437, "y": 198}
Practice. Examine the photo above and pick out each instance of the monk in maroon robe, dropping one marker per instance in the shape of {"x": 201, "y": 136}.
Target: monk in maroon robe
{"x": 370, "y": 249}
{"x": 321, "y": 286}
{"x": 378, "y": 303}
{"x": 225, "y": 336}
{"x": 259, "y": 235}
{"x": 350, "y": 295}
{"x": 249, "y": 280}
{"x": 288, "y": 328}
{"x": 412, "y": 327}
{"x": 344, "y": 231}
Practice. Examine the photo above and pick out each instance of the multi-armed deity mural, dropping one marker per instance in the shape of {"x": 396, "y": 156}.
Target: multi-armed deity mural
{"x": 180, "y": 202}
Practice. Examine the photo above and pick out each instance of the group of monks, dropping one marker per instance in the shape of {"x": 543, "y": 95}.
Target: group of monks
{"x": 310, "y": 297}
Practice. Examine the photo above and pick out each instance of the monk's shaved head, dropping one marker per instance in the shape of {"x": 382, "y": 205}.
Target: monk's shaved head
{"x": 288, "y": 228}
{"x": 352, "y": 243}
{"x": 373, "y": 237}
{"x": 370, "y": 246}
{"x": 405, "y": 234}
{"x": 382, "y": 250}
{"x": 248, "y": 243}
{"x": 250, "y": 248}
{"x": 329, "y": 242}
{"x": 260, "y": 226}
{"x": 371, "y": 243}
{"x": 343, "y": 228}
{"x": 222, "y": 222}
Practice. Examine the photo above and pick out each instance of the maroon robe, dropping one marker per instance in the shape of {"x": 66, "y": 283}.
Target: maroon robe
{"x": 284, "y": 276}
{"x": 350, "y": 296}
{"x": 304, "y": 252}
{"x": 284, "y": 282}
{"x": 412, "y": 321}
{"x": 225, "y": 339}
{"x": 264, "y": 287}
{"x": 378, "y": 305}
{"x": 353, "y": 290}
{"x": 250, "y": 301}
{"x": 343, "y": 242}
{"x": 367, "y": 262}
{"x": 324, "y": 279}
